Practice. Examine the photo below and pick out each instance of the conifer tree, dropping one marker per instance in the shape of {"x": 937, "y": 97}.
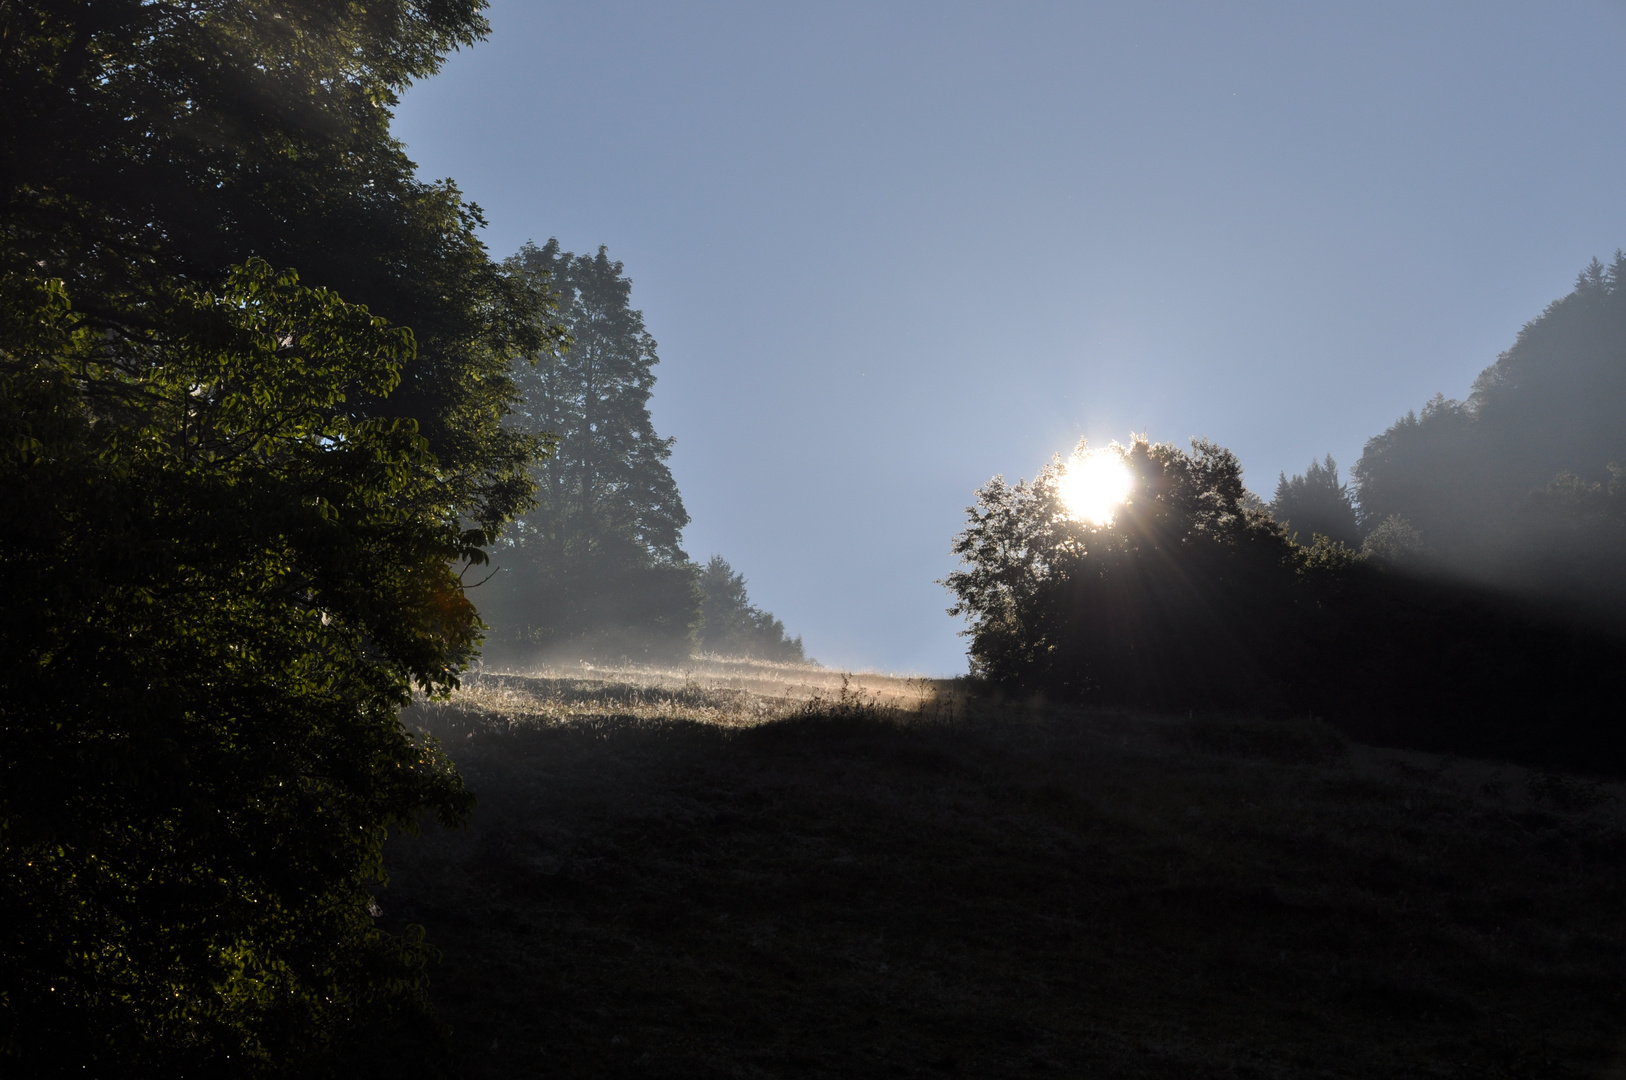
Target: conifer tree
{"x": 1316, "y": 502}
{"x": 733, "y": 626}
{"x": 597, "y": 567}
{"x": 1504, "y": 487}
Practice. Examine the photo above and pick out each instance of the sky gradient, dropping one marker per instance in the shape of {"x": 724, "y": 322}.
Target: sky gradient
{"x": 889, "y": 250}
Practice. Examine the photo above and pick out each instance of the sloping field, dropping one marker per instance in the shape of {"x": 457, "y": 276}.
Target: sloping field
{"x": 743, "y": 872}
{"x": 759, "y": 688}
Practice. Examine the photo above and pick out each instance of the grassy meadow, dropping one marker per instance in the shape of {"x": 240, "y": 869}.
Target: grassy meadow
{"x": 738, "y": 870}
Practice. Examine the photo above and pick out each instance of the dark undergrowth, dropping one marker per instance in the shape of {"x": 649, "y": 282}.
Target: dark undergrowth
{"x": 858, "y": 891}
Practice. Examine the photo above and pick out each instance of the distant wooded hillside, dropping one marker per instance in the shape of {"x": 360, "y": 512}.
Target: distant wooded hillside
{"x": 1519, "y": 485}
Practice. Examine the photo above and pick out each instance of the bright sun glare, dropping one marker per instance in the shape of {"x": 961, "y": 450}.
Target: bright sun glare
{"x": 1095, "y": 485}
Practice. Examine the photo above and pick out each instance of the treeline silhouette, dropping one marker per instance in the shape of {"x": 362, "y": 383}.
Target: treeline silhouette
{"x": 1520, "y": 485}
{"x": 1466, "y": 597}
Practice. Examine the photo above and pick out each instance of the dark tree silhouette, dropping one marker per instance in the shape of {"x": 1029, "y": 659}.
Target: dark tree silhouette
{"x": 1189, "y": 599}
{"x": 1316, "y": 502}
{"x": 1168, "y": 604}
{"x": 731, "y": 625}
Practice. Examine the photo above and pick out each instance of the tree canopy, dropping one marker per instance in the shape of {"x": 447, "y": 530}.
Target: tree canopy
{"x": 596, "y": 566}
{"x": 1151, "y": 607}
{"x": 730, "y": 625}
{"x": 253, "y": 377}
{"x": 146, "y": 145}
{"x": 1316, "y": 503}
{"x": 221, "y": 589}
{"x": 1190, "y": 599}
{"x": 1489, "y": 483}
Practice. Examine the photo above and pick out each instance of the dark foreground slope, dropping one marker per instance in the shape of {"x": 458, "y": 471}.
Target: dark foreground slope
{"x": 848, "y": 891}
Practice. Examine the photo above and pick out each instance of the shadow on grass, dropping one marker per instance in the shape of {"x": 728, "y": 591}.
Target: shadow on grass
{"x": 846, "y": 888}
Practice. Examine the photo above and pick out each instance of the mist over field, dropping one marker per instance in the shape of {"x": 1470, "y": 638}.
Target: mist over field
{"x": 712, "y": 539}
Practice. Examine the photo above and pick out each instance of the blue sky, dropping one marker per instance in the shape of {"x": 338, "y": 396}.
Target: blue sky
{"x": 891, "y": 249}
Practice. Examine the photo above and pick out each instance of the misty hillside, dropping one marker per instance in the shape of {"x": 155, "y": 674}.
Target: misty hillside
{"x": 704, "y": 881}
{"x": 1520, "y": 484}
{"x": 1554, "y": 402}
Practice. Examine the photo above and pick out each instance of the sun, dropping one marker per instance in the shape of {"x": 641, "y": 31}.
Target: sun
{"x": 1095, "y": 485}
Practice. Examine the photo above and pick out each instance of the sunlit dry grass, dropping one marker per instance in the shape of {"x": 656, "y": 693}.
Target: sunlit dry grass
{"x": 787, "y": 683}
{"x": 726, "y": 691}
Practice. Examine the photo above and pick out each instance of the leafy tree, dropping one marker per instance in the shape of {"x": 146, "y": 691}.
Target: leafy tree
{"x": 221, "y": 588}
{"x": 596, "y": 566}
{"x": 1433, "y": 470}
{"x": 1316, "y": 503}
{"x": 145, "y": 145}
{"x": 1569, "y": 542}
{"x": 730, "y": 625}
{"x": 1010, "y": 550}
{"x": 230, "y": 515}
{"x": 1153, "y": 607}
{"x": 1190, "y": 599}
{"x": 1394, "y": 541}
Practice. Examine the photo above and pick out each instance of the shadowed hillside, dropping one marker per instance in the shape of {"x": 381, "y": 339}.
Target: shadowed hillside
{"x": 670, "y": 877}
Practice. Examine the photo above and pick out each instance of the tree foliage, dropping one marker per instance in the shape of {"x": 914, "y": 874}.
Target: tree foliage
{"x": 232, "y": 505}
{"x": 1315, "y": 502}
{"x": 1490, "y": 483}
{"x": 221, "y": 588}
{"x": 596, "y": 566}
{"x": 1153, "y": 607}
{"x": 146, "y": 145}
{"x": 1394, "y": 541}
{"x": 730, "y": 625}
{"x": 1189, "y": 599}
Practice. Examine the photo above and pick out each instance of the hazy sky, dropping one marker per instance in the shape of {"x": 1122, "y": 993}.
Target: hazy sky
{"x": 889, "y": 250}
